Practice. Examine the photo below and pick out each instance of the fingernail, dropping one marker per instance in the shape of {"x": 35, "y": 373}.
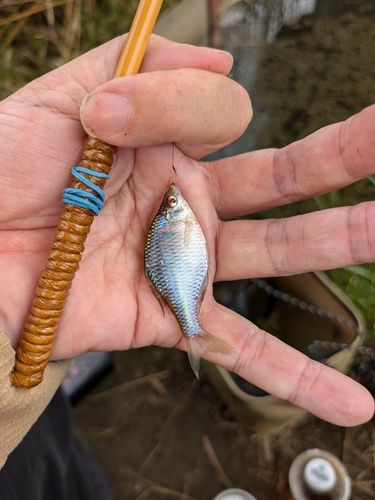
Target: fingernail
{"x": 211, "y": 50}
{"x": 104, "y": 114}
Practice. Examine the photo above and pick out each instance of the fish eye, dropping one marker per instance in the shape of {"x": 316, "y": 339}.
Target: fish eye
{"x": 172, "y": 201}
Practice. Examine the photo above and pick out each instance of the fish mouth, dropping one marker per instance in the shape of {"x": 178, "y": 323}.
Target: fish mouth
{"x": 173, "y": 189}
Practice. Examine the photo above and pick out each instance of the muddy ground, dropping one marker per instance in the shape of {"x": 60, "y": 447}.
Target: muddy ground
{"x": 162, "y": 434}
{"x": 159, "y": 432}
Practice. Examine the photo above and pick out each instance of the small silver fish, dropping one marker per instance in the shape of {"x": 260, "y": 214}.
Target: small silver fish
{"x": 176, "y": 265}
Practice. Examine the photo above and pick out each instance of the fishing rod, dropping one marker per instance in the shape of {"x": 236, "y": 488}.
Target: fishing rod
{"x": 83, "y": 201}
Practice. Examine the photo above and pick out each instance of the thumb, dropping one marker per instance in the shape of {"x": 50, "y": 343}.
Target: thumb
{"x": 200, "y": 111}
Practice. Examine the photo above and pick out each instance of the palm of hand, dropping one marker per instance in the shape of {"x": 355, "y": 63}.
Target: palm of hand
{"x": 111, "y": 306}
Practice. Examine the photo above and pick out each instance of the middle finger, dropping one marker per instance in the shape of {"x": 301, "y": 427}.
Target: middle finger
{"x": 278, "y": 247}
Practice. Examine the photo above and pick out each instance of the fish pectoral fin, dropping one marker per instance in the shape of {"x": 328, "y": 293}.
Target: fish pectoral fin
{"x": 187, "y": 232}
{"x": 161, "y": 303}
{"x": 155, "y": 292}
{"x": 202, "y": 342}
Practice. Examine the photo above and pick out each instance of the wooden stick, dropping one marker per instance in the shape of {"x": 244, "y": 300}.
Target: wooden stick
{"x": 51, "y": 295}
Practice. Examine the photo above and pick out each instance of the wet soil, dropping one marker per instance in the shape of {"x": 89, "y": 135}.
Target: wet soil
{"x": 315, "y": 72}
{"x": 159, "y": 432}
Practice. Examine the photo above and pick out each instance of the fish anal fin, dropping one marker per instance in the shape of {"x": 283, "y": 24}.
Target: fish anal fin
{"x": 202, "y": 294}
{"x": 155, "y": 292}
{"x": 202, "y": 342}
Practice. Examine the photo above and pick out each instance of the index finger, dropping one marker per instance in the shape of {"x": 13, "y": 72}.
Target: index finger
{"x": 333, "y": 157}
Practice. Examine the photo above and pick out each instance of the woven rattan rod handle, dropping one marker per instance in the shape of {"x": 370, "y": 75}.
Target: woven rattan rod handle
{"x": 83, "y": 200}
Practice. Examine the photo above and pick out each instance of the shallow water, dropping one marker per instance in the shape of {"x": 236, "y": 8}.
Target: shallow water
{"x": 305, "y": 64}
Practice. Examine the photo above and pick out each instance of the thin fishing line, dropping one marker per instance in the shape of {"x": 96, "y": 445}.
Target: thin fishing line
{"x": 80, "y": 197}
{"x": 174, "y": 169}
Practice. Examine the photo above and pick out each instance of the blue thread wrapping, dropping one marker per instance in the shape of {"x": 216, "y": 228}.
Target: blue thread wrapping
{"x": 80, "y": 197}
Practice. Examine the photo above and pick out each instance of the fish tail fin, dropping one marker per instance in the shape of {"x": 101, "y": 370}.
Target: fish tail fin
{"x": 204, "y": 342}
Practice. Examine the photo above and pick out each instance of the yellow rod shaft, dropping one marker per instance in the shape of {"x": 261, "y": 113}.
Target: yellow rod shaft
{"x": 140, "y": 32}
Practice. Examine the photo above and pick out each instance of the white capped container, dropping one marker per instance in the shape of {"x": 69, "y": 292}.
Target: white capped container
{"x": 317, "y": 474}
{"x": 234, "y": 494}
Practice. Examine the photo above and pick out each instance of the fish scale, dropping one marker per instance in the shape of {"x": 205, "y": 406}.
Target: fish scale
{"x": 176, "y": 265}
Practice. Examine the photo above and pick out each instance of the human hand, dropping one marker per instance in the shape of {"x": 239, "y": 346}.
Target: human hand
{"x": 111, "y": 306}
{"x": 41, "y": 139}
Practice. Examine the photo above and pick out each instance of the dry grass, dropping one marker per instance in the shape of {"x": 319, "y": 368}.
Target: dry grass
{"x": 38, "y": 36}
